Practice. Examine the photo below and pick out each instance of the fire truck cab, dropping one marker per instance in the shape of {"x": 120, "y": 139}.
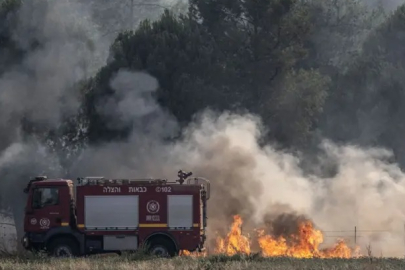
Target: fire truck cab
{"x": 98, "y": 215}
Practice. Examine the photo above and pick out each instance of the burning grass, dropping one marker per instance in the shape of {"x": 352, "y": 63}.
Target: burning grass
{"x": 293, "y": 249}
{"x": 303, "y": 240}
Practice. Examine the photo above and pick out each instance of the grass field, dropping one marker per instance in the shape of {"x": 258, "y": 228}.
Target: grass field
{"x": 217, "y": 262}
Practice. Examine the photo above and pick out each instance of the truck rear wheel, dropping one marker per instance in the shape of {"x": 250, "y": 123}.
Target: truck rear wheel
{"x": 63, "y": 247}
{"x": 162, "y": 247}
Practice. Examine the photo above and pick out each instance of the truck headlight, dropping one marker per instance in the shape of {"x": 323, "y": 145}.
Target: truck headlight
{"x": 25, "y": 241}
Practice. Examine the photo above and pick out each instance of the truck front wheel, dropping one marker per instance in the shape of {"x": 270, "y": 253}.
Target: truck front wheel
{"x": 63, "y": 247}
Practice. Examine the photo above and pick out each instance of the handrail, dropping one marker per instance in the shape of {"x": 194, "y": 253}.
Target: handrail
{"x": 206, "y": 181}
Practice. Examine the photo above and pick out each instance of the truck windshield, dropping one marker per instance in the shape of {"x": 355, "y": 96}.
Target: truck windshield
{"x": 45, "y": 197}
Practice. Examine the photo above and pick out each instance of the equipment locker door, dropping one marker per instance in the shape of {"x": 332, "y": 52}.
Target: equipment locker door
{"x": 180, "y": 211}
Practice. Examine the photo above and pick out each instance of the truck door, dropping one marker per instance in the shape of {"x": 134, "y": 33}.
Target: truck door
{"x": 46, "y": 209}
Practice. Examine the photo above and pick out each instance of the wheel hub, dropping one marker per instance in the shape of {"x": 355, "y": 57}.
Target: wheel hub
{"x": 63, "y": 251}
{"x": 160, "y": 251}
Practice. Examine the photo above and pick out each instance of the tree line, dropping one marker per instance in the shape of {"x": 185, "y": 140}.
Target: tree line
{"x": 310, "y": 69}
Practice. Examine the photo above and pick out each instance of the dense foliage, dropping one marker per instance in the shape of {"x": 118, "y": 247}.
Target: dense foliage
{"x": 310, "y": 69}
{"x": 282, "y": 60}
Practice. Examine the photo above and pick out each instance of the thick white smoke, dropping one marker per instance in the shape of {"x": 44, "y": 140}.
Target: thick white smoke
{"x": 247, "y": 178}
{"x": 389, "y": 5}
{"x": 254, "y": 180}
{"x": 62, "y": 47}
{"x": 366, "y": 191}
{"x": 41, "y": 87}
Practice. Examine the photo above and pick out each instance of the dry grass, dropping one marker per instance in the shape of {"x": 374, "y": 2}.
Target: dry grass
{"x": 126, "y": 262}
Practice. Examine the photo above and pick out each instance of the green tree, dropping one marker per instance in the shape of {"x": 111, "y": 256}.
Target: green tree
{"x": 299, "y": 102}
{"x": 366, "y": 106}
{"x": 339, "y": 28}
{"x": 224, "y": 56}
{"x": 176, "y": 51}
{"x": 260, "y": 41}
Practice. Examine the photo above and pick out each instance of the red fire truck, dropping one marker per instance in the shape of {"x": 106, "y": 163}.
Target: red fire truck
{"x": 99, "y": 215}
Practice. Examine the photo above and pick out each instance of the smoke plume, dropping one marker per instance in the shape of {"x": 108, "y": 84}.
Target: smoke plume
{"x": 255, "y": 181}
{"x": 258, "y": 182}
{"x": 389, "y": 5}
{"x": 61, "y": 48}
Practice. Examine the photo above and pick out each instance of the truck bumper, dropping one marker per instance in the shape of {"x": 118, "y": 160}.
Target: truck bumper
{"x": 32, "y": 241}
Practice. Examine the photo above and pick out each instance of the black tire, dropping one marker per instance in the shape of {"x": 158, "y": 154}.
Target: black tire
{"x": 63, "y": 248}
{"x": 162, "y": 247}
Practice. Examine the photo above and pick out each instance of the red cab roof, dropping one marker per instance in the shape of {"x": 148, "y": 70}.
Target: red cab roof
{"x": 53, "y": 182}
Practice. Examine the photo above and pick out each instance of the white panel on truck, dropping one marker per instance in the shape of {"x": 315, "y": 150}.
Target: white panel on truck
{"x": 111, "y": 212}
{"x": 180, "y": 211}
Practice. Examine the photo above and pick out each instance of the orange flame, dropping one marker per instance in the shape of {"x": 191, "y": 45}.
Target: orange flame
{"x": 235, "y": 242}
{"x": 304, "y": 244}
{"x": 192, "y": 254}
